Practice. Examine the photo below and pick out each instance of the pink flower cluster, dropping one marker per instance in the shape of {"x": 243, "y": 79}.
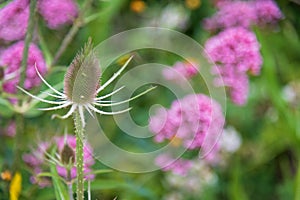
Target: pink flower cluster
{"x": 11, "y": 60}
{"x": 267, "y": 12}
{"x": 236, "y": 52}
{"x": 58, "y": 12}
{"x": 9, "y": 129}
{"x": 15, "y": 15}
{"x": 14, "y": 20}
{"x": 36, "y": 160}
{"x": 13, "y": 26}
{"x": 87, "y": 157}
{"x": 180, "y": 70}
{"x": 176, "y": 166}
{"x": 228, "y": 143}
{"x": 243, "y": 14}
{"x": 191, "y": 121}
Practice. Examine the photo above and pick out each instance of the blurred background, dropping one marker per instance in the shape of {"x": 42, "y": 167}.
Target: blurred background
{"x": 265, "y": 163}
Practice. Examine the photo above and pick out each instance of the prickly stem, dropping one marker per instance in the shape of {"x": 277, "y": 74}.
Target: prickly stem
{"x": 79, "y": 155}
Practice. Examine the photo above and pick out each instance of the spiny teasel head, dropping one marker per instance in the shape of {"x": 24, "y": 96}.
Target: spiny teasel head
{"x": 67, "y": 155}
{"x": 64, "y": 159}
{"x": 82, "y": 77}
{"x": 81, "y": 87}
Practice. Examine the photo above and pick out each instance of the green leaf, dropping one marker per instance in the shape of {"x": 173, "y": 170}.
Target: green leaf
{"x": 6, "y": 109}
{"x": 236, "y": 189}
{"x": 101, "y": 171}
{"x": 60, "y": 189}
{"x": 107, "y": 184}
{"x": 297, "y": 184}
{"x": 44, "y": 47}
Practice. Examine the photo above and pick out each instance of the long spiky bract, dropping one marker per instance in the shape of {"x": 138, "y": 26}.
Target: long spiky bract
{"x": 81, "y": 87}
{"x": 76, "y": 98}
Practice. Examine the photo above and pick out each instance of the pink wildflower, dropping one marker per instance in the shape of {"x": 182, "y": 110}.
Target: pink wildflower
{"x": 70, "y": 140}
{"x": 14, "y": 20}
{"x": 267, "y": 11}
{"x": 11, "y": 129}
{"x": 11, "y": 60}
{"x": 37, "y": 161}
{"x": 178, "y": 166}
{"x": 236, "y": 52}
{"x": 180, "y": 70}
{"x": 243, "y": 14}
{"x": 232, "y": 14}
{"x": 189, "y": 121}
{"x": 58, "y": 12}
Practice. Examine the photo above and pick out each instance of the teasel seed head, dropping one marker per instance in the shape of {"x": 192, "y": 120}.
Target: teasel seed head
{"x": 82, "y": 77}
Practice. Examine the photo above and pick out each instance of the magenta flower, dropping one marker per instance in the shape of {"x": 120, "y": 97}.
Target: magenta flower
{"x": 64, "y": 160}
{"x": 15, "y": 15}
{"x": 10, "y": 130}
{"x": 88, "y": 159}
{"x": 243, "y": 14}
{"x": 236, "y": 52}
{"x": 193, "y": 122}
{"x": 232, "y": 14}
{"x": 180, "y": 70}
{"x": 58, "y": 12}
{"x": 11, "y": 60}
{"x": 267, "y": 12}
{"x": 36, "y": 160}
{"x": 14, "y": 20}
{"x": 177, "y": 166}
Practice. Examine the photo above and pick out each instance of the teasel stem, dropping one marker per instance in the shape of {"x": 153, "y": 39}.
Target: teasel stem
{"x": 78, "y": 23}
{"x": 70, "y": 184}
{"x": 70, "y": 189}
{"x": 89, "y": 191}
{"x": 28, "y": 39}
{"x": 79, "y": 155}
{"x": 19, "y": 116}
{"x": 18, "y": 141}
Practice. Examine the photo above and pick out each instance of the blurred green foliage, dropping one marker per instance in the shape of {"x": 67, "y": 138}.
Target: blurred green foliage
{"x": 267, "y": 165}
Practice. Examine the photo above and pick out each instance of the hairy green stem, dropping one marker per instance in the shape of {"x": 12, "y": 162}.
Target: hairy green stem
{"x": 79, "y": 155}
{"x": 70, "y": 190}
{"x": 28, "y": 39}
{"x": 70, "y": 184}
{"x": 78, "y": 23}
{"x": 19, "y": 116}
{"x": 18, "y": 141}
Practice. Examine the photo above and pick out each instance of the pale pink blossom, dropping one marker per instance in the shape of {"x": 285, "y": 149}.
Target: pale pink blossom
{"x": 180, "y": 70}
{"x": 244, "y": 14}
{"x": 232, "y": 14}
{"x": 58, "y": 12}
{"x": 14, "y": 20}
{"x": 190, "y": 120}
{"x": 236, "y": 52}
{"x": 38, "y": 159}
{"x": 177, "y": 166}
{"x": 88, "y": 159}
{"x": 11, "y": 60}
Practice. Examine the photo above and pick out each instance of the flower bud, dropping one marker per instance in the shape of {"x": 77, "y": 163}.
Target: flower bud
{"x": 82, "y": 78}
{"x": 67, "y": 155}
